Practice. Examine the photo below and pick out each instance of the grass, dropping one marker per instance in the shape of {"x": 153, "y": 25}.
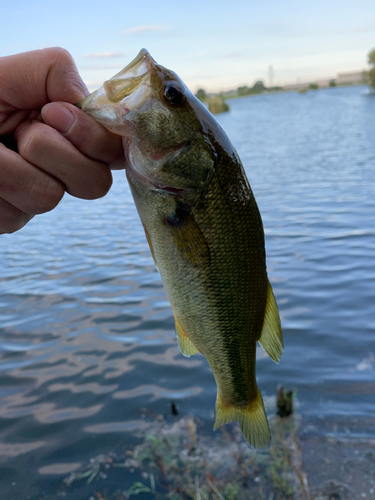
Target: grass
{"x": 177, "y": 461}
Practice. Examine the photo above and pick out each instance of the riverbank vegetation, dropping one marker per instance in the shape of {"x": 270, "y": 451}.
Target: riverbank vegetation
{"x": 176, "y": 460}
{"x": 371, "y": 73}
{"x": 216, "y": 102}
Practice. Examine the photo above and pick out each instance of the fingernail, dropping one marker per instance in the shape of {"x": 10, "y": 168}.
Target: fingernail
{"x": 59, "y": 117}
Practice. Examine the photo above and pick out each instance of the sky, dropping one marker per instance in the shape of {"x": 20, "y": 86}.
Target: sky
{"x": 215, "y": 45}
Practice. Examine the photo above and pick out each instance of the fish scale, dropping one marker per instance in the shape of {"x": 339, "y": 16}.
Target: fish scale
{"x": 240, "y": 318}
{"x": 204, "y": 230}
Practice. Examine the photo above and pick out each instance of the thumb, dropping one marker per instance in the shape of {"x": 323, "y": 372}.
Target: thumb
{"x": 85, "y": 133}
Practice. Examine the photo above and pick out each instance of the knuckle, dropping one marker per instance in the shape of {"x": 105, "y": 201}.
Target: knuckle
{"x": 60, "y": 55}
{"x": 12, "y": 219}
{"x": 46, "y": 194}
{"x": 95, "y": 184}
{"x": 12, "y": 225}
{"x": 31, "y": 142}
{"x": 63, "y": 64}
{"x": 107, "y": 183}
{"x": 103, "y": 184}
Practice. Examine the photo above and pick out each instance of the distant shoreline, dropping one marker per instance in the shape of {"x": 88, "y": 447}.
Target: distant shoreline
{"x": 232, "y": 94}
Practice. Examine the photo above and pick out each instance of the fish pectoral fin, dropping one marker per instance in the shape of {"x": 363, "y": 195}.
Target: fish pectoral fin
{"x": 271, "y": 338}
{"x": 252, "y": 419}
{"x": 185, "y": 345}
{"x": 151, "y": 247}
{"x": 189, "y": 239}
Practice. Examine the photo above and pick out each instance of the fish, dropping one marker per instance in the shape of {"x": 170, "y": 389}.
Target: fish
{"x": 204, "y": 230}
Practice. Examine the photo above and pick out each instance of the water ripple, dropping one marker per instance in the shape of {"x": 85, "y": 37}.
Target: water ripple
{"x": 87, "y": 334}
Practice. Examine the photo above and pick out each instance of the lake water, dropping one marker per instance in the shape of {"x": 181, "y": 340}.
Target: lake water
{"x": 88, "y": 350}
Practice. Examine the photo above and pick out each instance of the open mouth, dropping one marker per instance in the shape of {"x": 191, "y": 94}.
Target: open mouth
{"x": 124, "y": 92}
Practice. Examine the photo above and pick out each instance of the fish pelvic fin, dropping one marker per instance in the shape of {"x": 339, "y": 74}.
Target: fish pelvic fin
{"x": 151, "y": 247}
{"x": 185, "y": 345}
{"x": 271, "y": 338}
{"x": 252, "y": 419}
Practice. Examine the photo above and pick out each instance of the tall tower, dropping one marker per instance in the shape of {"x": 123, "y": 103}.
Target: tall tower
{"x": 270, "y": 76}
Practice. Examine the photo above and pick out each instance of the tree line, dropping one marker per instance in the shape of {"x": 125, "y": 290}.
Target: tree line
{"x": 371, "y": 73}
{"x": 259, "y": 86}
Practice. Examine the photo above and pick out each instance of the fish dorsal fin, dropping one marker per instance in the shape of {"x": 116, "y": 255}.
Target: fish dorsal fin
{"x": 151, "y": 247}
{"x": 188, "y": 237}
{"x": 271, "y": 338}
{"x": 185, "y": 345}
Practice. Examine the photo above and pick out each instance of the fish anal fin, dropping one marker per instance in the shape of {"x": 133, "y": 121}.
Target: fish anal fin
{"x": 252, "y": 419}
{"x": 150, "y": 245}
{"x": 185, "y": 345}
{"x": 271, "y": 338}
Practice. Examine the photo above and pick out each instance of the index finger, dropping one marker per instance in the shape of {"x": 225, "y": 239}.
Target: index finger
{"x": 32, "y": 79}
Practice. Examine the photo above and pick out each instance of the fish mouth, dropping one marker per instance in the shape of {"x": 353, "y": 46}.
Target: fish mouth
{"x": 124, "y": 92}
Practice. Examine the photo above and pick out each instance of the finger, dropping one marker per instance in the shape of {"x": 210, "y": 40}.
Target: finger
{"x": 38, "y": 77}
{"x": 12, "y": 121}
{"x": 11, "y": 218}
{"x": 85, "y": 133}
{"x": 45, "y": 148}
{"x": 26, "y": 187}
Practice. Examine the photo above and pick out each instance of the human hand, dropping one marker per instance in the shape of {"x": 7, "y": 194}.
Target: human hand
{"x": 60, "y": 148}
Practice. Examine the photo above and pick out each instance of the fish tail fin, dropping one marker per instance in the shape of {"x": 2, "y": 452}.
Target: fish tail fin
{"x": 252, "y": 419}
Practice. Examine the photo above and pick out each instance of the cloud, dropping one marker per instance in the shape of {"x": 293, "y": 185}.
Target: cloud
{"x": 362, "y": 29}
{"x": 104, "y": 55}
{"x": 232, "y": 55}
{"x": 356, "y": 29}
{"x": 145, "y": 29}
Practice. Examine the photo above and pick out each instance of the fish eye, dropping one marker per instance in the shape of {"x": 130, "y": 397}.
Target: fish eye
{"x": 174, "y": 94}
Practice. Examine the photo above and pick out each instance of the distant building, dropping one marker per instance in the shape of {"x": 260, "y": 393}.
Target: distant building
{"x": 350, "y": 78}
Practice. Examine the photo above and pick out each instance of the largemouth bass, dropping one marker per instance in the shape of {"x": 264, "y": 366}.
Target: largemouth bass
{"x": 203, "y": 227}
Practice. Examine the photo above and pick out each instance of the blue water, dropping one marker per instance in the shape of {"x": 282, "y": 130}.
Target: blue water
{"x": 87, "y": 346}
